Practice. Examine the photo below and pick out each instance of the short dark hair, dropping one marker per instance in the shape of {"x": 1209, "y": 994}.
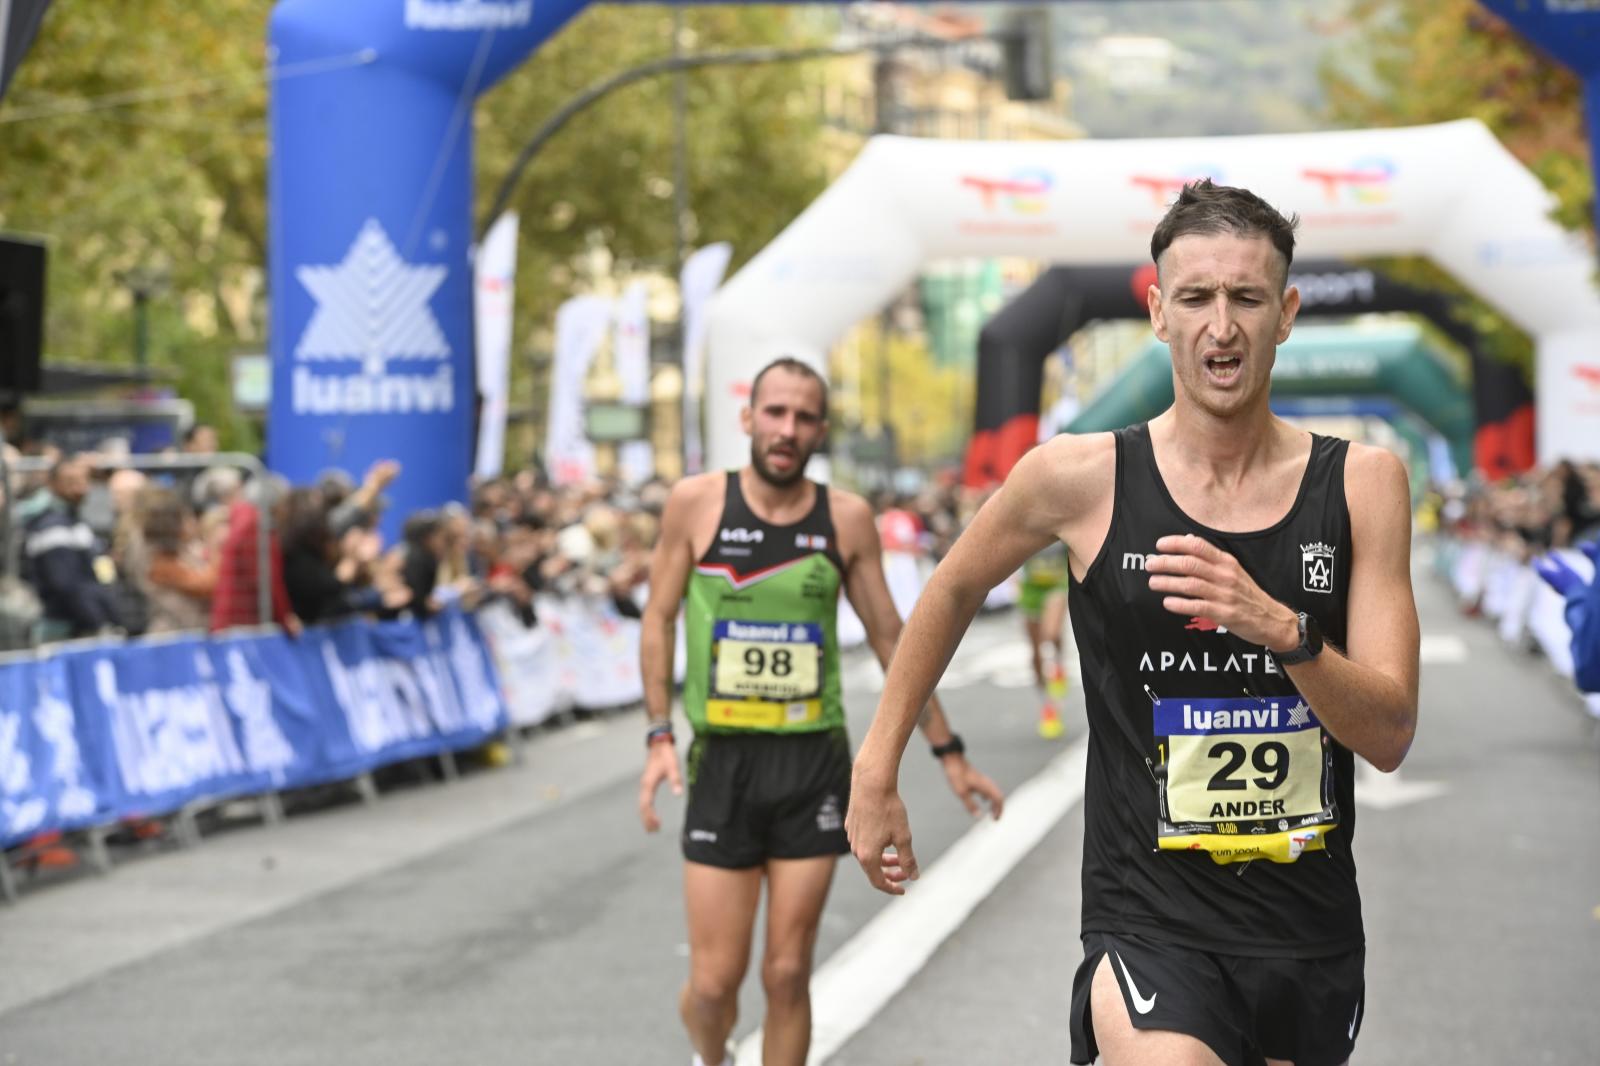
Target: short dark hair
{"x": 1206, "y": 207}
{"x": 61, "y": 465}
{"x": 421, "y": 525}
{"x": 794, "y": 366}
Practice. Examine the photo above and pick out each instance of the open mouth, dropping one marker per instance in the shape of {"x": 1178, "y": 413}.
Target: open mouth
{"x": 1222, "y": 367}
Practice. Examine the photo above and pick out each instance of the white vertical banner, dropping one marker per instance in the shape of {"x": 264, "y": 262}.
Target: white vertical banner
{"x": 581, "y": 326}
{"x": 632, "y": 359}
{"x": 1568, "y": 396}
{"x": 493, "y": 287}
{"x": 702, "y": 274}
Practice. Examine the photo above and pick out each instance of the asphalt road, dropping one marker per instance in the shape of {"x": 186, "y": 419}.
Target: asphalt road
{"x": 521, "y": 916}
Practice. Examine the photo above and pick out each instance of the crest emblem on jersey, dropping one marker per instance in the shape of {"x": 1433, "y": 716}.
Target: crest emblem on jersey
{"x": 1316, "y": 567}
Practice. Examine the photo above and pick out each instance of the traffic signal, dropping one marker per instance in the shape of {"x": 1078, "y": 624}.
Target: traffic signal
{"x": 1029, "y": 73}
{"x": 21, "y": 314}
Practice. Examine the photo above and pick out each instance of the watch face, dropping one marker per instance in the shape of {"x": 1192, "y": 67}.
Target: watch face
{"x": 1310, "y": 634}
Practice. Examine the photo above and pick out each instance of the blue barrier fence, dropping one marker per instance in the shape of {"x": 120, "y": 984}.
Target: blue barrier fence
{"x": 92, "y": 734}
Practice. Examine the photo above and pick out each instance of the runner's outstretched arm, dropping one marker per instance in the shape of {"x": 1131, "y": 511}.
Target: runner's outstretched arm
{"x": 669, "y": 577}
{"x": 1036, "y": 503}
{"x": 1365, "y": 694}
{"x": 869, "y": 595}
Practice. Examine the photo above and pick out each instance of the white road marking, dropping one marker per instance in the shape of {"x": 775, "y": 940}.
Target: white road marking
{"x": 855, "y": 983}
{"x": 993, "y": 653}
{"x": 1385, "y": 792}
{"x": 1443, "y": 649}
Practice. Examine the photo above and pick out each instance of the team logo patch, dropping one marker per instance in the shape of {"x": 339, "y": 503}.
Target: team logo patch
{"x": 829, "y": 820}
{"x": 1316, "y": 567}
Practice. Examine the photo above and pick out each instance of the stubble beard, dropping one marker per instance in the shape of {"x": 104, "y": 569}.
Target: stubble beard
{"x": 758, "y": 463}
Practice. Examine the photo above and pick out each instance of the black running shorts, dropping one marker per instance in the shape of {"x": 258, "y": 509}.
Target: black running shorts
{"x": 1245, "y": 1009}
{"x": 760, "y": 796}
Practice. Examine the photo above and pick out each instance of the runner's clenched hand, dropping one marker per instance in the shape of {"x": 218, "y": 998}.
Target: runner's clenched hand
{"x": 1200, "y": 579}
{"x": 876, "y": 822}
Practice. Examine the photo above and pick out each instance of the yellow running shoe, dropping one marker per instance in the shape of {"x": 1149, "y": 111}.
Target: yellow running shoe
{"x": 1051, "y": 727}
{"x": 1057, "y": 684}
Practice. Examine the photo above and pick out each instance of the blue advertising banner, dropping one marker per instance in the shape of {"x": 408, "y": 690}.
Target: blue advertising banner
{"x": 370, "y": 190}
{"x": 44, "y": 782}
{"x": 95, "y": 734}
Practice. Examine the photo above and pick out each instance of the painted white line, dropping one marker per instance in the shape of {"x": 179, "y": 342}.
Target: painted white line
{"x": 1385, "y": 792}
{"x": 1442, "y": 648}
{"x": 875, "y": 964}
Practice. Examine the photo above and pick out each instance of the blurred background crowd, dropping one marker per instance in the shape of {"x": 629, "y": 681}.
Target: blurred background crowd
{"x": 1523, "y": 516}
{"x": 103, "y": 548}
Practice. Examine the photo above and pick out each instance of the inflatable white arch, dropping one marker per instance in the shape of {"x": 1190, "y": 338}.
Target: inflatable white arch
{"x": 1451, "y": 192}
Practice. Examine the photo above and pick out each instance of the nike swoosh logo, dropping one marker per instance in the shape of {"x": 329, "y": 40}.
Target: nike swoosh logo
{"x": 1355, "y": 1018}
{"x": 1140, "y": 1004}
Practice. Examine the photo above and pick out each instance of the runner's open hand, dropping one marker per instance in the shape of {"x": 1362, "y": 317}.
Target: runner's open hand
{"x": 972, "y": 788}
{"x": 1201, "y": 580}
{"x": 660, "y": 763}
{"x": 876, "y": 822}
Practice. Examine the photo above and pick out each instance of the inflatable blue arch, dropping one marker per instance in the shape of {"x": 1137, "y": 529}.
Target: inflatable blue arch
{"x": 370, "y": 201}
{"x": 370, "y": 196}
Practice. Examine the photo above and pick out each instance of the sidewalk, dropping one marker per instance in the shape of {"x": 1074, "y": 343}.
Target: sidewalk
{"x": 72, "y": 932}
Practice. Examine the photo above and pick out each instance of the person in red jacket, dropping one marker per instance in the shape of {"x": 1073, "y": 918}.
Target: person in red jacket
{"x": 236, "y": 601}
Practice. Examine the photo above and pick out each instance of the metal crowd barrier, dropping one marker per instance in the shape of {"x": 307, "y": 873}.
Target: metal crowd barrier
{"x": 11, "y": 539}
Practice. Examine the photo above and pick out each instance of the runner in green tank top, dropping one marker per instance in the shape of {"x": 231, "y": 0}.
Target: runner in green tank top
{"x": 1043, "y": 605}
{"x": 761, "y": 555}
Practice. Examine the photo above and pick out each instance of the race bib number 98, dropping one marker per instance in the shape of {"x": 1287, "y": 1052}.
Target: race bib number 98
{"x": 765, "y": 675}
{"x": 1242, "y": 779}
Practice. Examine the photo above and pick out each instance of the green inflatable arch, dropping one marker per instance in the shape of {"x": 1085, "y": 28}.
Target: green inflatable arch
{"x": 1394, "y": 361}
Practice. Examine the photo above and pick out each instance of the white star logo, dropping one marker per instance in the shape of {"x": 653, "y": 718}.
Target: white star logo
{"x": 1299, "y": 714}
{"x": 373, "y": 306}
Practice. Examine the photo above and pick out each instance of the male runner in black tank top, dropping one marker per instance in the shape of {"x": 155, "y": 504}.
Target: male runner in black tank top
{"x": 1212, "y": 552}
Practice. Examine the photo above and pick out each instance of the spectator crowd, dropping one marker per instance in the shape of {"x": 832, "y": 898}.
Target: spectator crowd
{"x": 104, "y": 549}
{"x": 1544, "y": 523}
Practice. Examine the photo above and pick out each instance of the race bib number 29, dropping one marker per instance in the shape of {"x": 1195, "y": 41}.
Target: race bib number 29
{"x": 1242, "y": 779}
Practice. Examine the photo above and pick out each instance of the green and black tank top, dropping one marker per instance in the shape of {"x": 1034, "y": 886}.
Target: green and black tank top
{"x": 761, "y": 620}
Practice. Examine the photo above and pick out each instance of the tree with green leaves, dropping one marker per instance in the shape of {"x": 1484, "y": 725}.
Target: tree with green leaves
{"x": 1423, "y": 61}
{"x": 135, "y": 144}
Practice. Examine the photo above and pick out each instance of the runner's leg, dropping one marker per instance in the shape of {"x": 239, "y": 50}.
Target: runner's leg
{"x": 796, "y": 892}
{"x": 1053, "y": 645}
{"x": 1053, "y": 623}
{"x": 1032, "y": 626}
{"x": 721, "y": 907}
{"x": 1123, "y": 1045}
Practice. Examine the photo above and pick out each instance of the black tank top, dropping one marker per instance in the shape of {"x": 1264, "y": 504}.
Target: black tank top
{"x": 1218, "y": 813}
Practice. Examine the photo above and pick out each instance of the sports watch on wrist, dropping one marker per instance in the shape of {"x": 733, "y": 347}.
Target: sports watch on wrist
{"x": 1310, "y": 643}
{"x": 953, "y": 746}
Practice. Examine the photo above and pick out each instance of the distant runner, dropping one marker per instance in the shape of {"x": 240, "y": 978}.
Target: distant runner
{"x": 761, "y": 554}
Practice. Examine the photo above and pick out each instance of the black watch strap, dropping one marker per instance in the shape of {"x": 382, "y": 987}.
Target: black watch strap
{"x": 953, "y": 746}
{"x": 1310, "y": 643}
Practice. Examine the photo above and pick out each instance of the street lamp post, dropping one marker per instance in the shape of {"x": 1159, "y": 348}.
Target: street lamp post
{"x": 143, "y": 283}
